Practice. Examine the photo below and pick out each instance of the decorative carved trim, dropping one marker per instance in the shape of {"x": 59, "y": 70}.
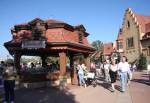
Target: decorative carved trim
{"x": 22, "y": 27}
{"x": 60, "y": 25}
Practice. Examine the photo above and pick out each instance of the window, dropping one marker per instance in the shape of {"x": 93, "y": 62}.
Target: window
{"x": 128, "y": 24}
{"x": 80, "y": 38}
{"x": 119, "y": 45}
{"x": 130, "y": 43}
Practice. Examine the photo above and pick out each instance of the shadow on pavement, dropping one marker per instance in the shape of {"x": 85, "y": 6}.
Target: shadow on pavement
{"x": 44, "y": 95}
{"x": 145, "y": 74}
{"x": 104, "y": 84}
{"x": 143, "y": 81}
{"x": 117, "y": 87}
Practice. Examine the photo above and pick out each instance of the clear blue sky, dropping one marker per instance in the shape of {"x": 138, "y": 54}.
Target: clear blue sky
{"x": 102, "y": 18}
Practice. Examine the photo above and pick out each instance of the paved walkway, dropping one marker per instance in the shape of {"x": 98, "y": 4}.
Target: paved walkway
{"x": 140, "y": 88}
{"x": 101, "y": 94}
{"x": 137, "y": 92}
{"x": 124, "y": 97}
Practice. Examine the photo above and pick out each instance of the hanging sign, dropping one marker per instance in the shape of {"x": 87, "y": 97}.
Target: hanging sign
{"x": 33, "y": 44}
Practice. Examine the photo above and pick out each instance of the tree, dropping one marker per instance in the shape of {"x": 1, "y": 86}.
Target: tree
{"x": 98, "y": 45}
{"x": 142, "y": 62}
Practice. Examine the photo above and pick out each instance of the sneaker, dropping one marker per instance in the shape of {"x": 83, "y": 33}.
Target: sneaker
{"x": 113, "y": 90}
{"x": 122, "y": 91}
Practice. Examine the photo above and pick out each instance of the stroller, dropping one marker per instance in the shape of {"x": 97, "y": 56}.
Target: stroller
{"x": 90, "y": 78}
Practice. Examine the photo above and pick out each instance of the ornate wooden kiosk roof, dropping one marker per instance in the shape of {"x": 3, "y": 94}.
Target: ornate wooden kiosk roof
{"x": 50, "y": 38}
{"x": 38, "y": 36}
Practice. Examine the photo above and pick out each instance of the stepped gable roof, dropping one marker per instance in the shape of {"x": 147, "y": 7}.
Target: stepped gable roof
{"x": 140, "y": 20}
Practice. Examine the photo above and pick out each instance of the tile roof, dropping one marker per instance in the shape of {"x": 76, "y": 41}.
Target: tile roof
{"x": 59, "y": 35}
{"x": 55, "y": 34}
{"x": 53, "y": 21}
{"x": 143, "y": 21}
{"x": 108, "y": 48}
{"x": 147, "y": 27}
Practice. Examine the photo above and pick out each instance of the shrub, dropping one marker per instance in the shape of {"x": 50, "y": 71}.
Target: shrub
{"x": 142, "y": 65}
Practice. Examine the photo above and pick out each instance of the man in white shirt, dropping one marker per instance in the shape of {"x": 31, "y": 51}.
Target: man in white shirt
{"x": 123, "y": 68}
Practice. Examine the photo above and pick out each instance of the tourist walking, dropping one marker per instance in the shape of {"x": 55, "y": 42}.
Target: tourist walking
{"x": 9, "y": 74}
{"x": 134, "y": 67}
{"x": 98, "y": 70}
{"x": 129, "y": 75}
{"x": 113, "y": 73}
{"x": 93, "y": 66}
{"x": 123, "y": 68}
{"x": 81, "y": 67}
{"x": 106, "y": 67}
{"x": 102, "y": 69}
{"x": 148, "y": 70}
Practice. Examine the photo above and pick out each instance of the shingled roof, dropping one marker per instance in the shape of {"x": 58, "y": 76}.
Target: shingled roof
{"x": 108, "y": 48}
{"x": 144, "y": 21}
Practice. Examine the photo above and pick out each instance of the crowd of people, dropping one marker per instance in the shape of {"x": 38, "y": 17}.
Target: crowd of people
{"x": 109, "y": 70}
{"x": 26, "y": 67}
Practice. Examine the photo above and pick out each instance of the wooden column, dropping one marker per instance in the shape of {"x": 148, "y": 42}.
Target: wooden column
{"x": 87, "y": 61}
{"x": 62, "y": 58}
{"x": 43, "y": 61}
{"x": 74, "y": 78}
{"x": 17, "y": 57}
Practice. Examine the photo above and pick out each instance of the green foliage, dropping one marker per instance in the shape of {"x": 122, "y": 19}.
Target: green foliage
{"x": 79, "y": 57}
{"x": 142, "y": 65}
{"x": 98, "y": 45}
{"x": 51, "y": 59}
{"x": 29, "y": 59}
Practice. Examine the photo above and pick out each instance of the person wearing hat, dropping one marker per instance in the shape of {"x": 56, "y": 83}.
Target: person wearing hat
{"x": 9, "y": 75}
